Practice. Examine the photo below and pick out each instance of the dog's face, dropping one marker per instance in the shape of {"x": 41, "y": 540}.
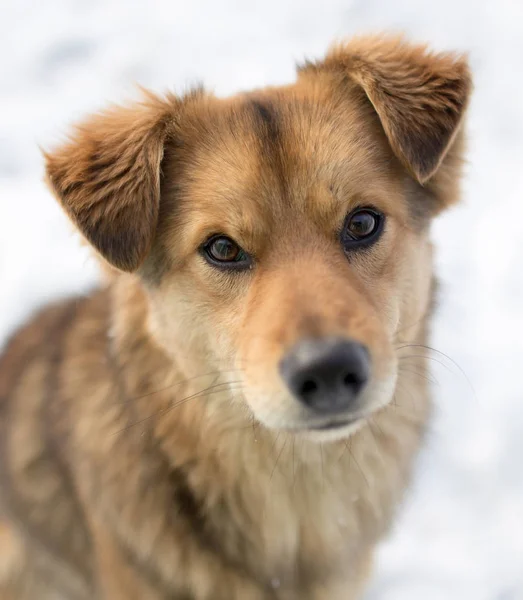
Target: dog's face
{"x": 281, "y": 235}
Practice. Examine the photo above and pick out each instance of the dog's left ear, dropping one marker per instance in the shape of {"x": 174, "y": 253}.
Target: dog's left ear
{"x": 420, "y": 97}
{"x": 107, "y": 178}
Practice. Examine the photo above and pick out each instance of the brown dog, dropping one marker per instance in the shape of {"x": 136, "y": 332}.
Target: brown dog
{"x": 230, "y": 417}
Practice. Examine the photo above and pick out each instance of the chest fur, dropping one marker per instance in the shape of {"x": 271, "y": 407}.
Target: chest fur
{"x": 292, "y": 512}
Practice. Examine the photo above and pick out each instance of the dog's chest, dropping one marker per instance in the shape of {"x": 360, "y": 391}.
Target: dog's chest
{"x": 289, "y": 513}
{"x": 294, "y": 520}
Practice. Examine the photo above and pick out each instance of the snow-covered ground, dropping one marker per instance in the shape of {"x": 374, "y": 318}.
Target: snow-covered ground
{"x": 460, "y": 536}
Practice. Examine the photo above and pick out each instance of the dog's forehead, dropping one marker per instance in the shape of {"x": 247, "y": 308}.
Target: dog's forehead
{"x": 260, "y": 154}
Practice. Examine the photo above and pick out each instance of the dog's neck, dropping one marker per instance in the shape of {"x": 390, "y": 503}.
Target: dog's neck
{"x": 283, "y": 507}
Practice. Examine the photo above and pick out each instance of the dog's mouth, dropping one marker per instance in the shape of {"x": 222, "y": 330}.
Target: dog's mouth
{"x": 329, "y": 430}
{"x": 335, "y": 424}
{"x": 332, "y": 425}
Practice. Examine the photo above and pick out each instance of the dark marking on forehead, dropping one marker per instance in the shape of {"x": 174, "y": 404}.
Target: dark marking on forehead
{"x": 267, "y": 122}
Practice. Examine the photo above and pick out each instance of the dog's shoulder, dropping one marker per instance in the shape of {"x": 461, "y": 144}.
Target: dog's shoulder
{"x": 36, "y": 466}
{"x": 37, "y": 344}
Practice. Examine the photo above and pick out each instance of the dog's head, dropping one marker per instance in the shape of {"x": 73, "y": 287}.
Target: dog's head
{"x": 281, "y": 235}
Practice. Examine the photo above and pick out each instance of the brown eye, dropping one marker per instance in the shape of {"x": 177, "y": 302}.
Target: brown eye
{"x": 221, "y": 251}
{"x": 362, "y": 227}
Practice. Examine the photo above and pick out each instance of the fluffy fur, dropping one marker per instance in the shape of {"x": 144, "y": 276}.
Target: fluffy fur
{"x": 149, "y": 447}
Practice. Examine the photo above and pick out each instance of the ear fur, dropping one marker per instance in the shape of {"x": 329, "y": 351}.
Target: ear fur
{"x": 107, "y": 178}
{"x": 420, "y": 97}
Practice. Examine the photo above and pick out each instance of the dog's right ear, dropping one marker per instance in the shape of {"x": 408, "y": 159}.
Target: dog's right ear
{"x": 107, "y": 178}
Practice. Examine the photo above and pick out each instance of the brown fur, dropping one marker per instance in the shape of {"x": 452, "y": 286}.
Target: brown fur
{"x": 148, "y": 445}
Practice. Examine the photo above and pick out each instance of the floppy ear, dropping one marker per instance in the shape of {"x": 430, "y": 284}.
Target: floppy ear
{"x": 107, "y": 178}
{"x": 420, "y": 97}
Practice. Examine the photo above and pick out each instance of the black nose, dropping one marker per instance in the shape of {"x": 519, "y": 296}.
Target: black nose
{"x": 326, "y": 374}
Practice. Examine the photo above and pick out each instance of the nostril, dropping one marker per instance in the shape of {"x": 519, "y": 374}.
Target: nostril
{"x": 351, "y": 380}
{"x": 308, "y": 388}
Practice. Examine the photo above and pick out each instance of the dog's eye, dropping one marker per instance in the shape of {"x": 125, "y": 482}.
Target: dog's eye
{"x": 221, "y": 251}
{"x": 362, "y": 227}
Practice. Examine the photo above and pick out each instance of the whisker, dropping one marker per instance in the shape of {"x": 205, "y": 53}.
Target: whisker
{"x": 322, "y": 473}
{"x": 178, "y": 383}
{"x": 348, "y": 444}
{"x": 278, "y": 457}
{"x": 429, "y": 348}
{"x": 380, "y": 455}
{"x": 344, "y": 451}
{"x": 425, "y": 356}
{"x": 404, "y": 389}
{"x": 275, "y": 441}
{"x": 422, "y": 375}
{"x": 209, "y": 390}
{"x": 206, "y": 393}
{"x": 372, "y": 421}
{"x": 293, "y": 470}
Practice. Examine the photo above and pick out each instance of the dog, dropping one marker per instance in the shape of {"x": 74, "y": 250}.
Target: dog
{"x": 232, "y": 415}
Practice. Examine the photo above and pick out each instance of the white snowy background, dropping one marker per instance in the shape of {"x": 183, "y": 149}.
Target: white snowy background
{"x": 460, "y": 535}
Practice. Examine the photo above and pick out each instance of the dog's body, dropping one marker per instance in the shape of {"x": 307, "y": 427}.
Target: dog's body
{"x": 148, "y": 446}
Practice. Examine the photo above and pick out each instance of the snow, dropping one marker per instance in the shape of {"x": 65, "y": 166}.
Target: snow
{"x": 460, "y": 535}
